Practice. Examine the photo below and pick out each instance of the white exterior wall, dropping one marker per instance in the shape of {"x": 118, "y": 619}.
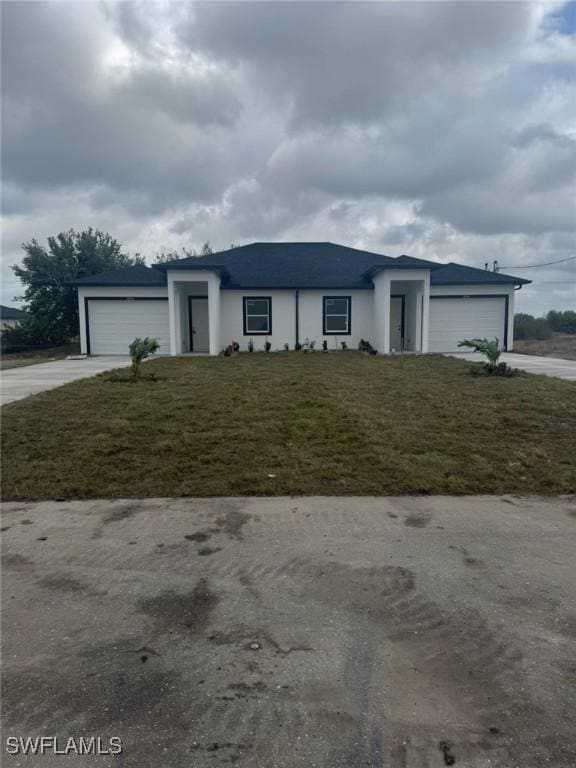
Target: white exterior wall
{"x": 311, "y": 317}
{"x": 177, "y": 307}
{"x": 283, "y": 319}
{"x": 384, "y": 285}
{"x": 482, "y": 290}
{"x": 103, "y": 291}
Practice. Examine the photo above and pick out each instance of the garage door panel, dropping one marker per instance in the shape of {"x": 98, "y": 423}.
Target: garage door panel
{"x": 113, "y": 325}
{"x": 452, "y": 320}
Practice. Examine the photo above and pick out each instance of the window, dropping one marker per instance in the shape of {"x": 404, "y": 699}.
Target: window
{"x": 257, "y": 315}
{"x": 336, "y": 317}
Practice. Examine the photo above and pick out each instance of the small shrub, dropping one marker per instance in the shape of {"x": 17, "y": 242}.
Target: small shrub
{"x": 286, "y": 347}
{"x": 312, "y": 345}
{"x": 236, "y": 346}
{"x": 267, "y": 346}
{"x": 139, "y": 350}
{"x": 489, "y": 349}
{"x": 344, "y": 346}
{"x": 251, "y": 346}
{"x": 325, "y": 345}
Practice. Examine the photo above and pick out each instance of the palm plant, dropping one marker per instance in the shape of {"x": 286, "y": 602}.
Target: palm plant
{"x": 139, "y": 350}
{"x": 489, "y": 349}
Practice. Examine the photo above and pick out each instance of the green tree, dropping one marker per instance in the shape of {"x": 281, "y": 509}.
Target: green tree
{"x": 48, "y": 275}
{"x": 529, "y": 327}
{"x": 562, "y": 322}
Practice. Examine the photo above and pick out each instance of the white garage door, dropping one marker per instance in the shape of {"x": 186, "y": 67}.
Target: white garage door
{"x": 113, "y": 325}
{"x": 452, "y": 320}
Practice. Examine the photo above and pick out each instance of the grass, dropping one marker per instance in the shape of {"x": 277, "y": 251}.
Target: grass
{"x": 20, "y": 359}
{"x": 563, "y": 347}
{"x": 293, "y": 423}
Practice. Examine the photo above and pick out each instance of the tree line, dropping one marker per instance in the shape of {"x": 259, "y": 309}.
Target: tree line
{"x": 530, "y": 327}
{"x": 48, "y": 274}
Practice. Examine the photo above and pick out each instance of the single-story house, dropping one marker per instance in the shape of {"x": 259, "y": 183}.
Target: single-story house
{"x": 285, "y": 293}
{"x": 10, "y": 317}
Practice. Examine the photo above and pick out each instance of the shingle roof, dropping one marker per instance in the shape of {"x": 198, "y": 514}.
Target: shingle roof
{"x": 138, "y": 275}
{"x": 11, "y": 313}
{"x": 289, "y": 265}
{"x": 298, "y": 265}
{"x": 460, "y": 274}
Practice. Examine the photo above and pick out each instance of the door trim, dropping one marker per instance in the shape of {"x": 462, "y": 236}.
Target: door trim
{"x": 190, "y": 334}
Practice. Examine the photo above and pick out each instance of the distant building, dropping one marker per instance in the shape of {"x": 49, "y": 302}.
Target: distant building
{"x": 10, "y": 317}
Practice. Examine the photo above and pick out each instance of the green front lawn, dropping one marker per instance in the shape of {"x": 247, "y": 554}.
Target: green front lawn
{"x": 293, "y": 423}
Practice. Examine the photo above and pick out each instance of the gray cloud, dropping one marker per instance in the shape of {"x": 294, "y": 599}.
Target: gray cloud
{"x": 444, "y": 130}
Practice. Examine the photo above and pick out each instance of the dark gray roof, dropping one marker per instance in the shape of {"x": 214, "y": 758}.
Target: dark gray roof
{"x": 289, "y": 265}
{"x": 460, "y": 274}
{"x": 126, "y": 276}
{"x": 11, "y": 313}
{"x": 298, "y": 265}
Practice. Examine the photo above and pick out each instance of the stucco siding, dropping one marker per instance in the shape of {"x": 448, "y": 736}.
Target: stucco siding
{"x": 311, "y": 317}
{"x": 283, "y": 319}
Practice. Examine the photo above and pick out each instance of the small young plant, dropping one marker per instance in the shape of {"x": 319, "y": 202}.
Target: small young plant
{"x": 325, "y": 345}
{"x": 312, "y": 345}
{"x": 139, "y": 350}
{"x": 267, "y": 345}
{"x": 251, "y": 345}
{"x": 286, "y": 347}
{"x": 490, "y": 350}
{"x": 344, "y": 346}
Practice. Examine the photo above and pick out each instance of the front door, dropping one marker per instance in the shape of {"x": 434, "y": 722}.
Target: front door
{"x": 199, "y": 338}
{"x": 396, "y": 323}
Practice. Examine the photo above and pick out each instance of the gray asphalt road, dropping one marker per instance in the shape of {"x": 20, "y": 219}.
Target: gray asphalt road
{"x": 396, "y": 633}
{"x": 18, "y": 383}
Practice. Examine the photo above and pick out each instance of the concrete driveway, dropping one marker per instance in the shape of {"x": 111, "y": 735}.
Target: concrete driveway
{"x": 549, "y": 366}
{"x": 18, "y": 383}
{"x": 292, "y": 633}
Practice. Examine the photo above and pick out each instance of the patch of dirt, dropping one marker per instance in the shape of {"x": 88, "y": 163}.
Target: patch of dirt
{"x": 232, "y": 522}
{"x": 60, "y": 583}
{"x": 14, "y": 560}
{"x": 200, "y": 536}
{"x": 417, "y": 519}
{"x": 204, "y": 551}
{"x": 188, "y": 612}
{"x": 121, "y": 512}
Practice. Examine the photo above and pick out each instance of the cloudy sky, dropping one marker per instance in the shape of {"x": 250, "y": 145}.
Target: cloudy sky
{"x": 440, "y": 130}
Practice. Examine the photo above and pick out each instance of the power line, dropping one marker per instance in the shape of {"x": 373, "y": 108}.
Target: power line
{"x": 546, "y": 264}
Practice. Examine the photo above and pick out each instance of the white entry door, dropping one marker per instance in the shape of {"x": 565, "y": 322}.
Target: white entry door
{"x": 396, "y": 306}
{"x": 199, "y": 336}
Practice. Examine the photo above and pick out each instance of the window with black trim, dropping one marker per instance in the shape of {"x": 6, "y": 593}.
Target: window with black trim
{"x": 336, "y": 315}
{"x": 257, "y": 315}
